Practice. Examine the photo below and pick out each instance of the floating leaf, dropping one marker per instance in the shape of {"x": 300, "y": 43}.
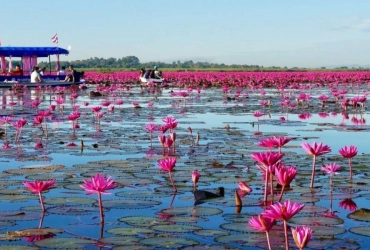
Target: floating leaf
{"x": 130, "y": 204}
{"x": 196, "y": 211}
{"x": 169, "y": 242}
{"x": 35, "y": 231}
{"x": 175, "y": 228}
{"x": 142, "y": 221}
{"x": 70, "y": 201}
{"x": 362, "y": 214}
{"x": 312, "y": 220}
{"x": 210, "y": 232}
{"x": 129, "y": 231}
{"x": 65, "y": 243}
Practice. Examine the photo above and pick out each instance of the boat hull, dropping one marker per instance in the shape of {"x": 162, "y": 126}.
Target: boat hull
{"x": 148, "y": 80}
{"x": 11, "y": 84}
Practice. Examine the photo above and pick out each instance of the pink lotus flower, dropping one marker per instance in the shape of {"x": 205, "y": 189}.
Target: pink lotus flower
{"x": 331, "y": 168}
{"x": 195, "y": 175}
{"x": 98, "y": 184}
{"x": 150, "y": 104}
{"x": 257, "y": 114}
{"x": 348, "y": 204}
{"x": 266, "y": 143}
{"x": 301, "y": 235}
{"x": 285, "y": 175}
{"x": 135, "y": 104}
{"x": 6, "y": 145}
{"x": 38, "y": 187}
{"x": 283, "y": 211}
{"x": 244, "y": 187}
{"x": 168, "y": 165}
{"x": 39, "y": 145}
{"x": 262, "y": 224}
{"x": 267, "y": 158}
{"x": 315, "y": 150}
{"x": 349, "y": 153}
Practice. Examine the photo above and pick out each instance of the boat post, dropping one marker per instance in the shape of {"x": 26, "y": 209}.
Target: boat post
{"x": 49, "y": 66}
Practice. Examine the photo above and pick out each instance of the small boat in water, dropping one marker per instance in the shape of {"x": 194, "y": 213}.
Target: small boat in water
{"x": 148, "y": 80}
{"x": 29, "y": 57}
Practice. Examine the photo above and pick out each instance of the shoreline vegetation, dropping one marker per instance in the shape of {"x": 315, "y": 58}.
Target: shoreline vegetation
{"x": 133, "y": 64}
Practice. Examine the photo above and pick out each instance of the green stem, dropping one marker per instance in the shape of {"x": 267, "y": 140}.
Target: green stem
{"x": 286, "y": 235}
{"x": 42, "y": 202}
{"x": 313, "y": 171}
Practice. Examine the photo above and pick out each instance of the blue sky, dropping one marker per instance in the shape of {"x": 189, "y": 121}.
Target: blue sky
{"x": 288, "y": 33}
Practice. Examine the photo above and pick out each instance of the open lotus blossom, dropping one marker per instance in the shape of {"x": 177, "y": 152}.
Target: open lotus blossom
{"x": 283, "y": 211}
{"x": 331, "y": 168}
{"x": 267, "y": 158}
{"x": 258, "y": 114}
{"x": 285, "y": 175}
{"x": 348, "y": 204}
{"x": 301, "y": 235}
{"x": 263, "y": 224}
{"x": 349, "y": 153}
{"x": 99, "y": 185}
{"x": 315, "y": 150}
{"x": 168, "y": 165}
{"x": 244, "y": 187}
{"x": 195, "y": 175}
{"x": 37, "y": 187}
{"x": 280, "y": 141}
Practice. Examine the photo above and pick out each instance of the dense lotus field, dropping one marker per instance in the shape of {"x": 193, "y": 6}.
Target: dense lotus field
{"x": 205, "y": 161}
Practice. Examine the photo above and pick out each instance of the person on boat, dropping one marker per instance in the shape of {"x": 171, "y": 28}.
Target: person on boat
{"x": 18, "y": 71}
{"x": 35, "y": 76}
{"x": 73, "y": 75}
{"x": 147, "y": 74}
{"x": 62, "y": 72}
{"x": 157, "y": 73}
{"x": 42, "y": 71}
{"x": 142, "y": 72}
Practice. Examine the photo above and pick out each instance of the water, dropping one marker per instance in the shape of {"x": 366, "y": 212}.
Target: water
{"x": 144, "y": 205}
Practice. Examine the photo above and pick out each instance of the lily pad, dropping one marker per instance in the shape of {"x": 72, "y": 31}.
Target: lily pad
{"x": 169, "y": 242}
{"x": 362, "y": 214}
{"x": 69, "y": 201}
{"x": 176, "y": 228}
{"x": 142, "y": 221}
{"x": 128, "y": 231}
{"x": 312, "y": 220}
{"x": 65, "y": 243}
{"x": 196, "y": 211}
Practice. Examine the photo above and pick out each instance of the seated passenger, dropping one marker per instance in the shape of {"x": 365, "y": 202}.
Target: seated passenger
{"x": 157, "y": 73}
{"x": 18, "y": 71}
{"x": 35, "y": 76}
{"x": 147, "y": 74}
{"x": 74, "y": 76}
{"x": 142, "y": 73}
{"x": 42, "y": 71}
{"x": 62, "y": 72}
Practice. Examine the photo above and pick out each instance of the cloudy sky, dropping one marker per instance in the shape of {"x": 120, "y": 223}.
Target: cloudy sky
{"x": 290, "y": 33}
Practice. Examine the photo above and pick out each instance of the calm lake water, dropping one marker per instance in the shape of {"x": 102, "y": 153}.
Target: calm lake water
{"x": 144, "y": 212}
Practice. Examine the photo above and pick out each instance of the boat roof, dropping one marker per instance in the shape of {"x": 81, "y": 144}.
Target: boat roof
{"x": 32, "y": 51}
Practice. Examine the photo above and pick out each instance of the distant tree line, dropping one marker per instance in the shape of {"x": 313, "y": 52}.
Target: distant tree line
{"x": 134, "y": 63}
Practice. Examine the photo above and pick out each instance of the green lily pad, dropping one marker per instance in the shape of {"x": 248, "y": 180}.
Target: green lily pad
{"x": 65, "y": 243}
{"x": 312, "y": 220}
{"x": 142, "y": 221}
{"x": 36, "y": 231}
{"x": 196, "y": 211}
{"x": 187, "y": 219}
{"x": 362, "y": 214}
{"x": 121, "y": 240}
{"x": 141, "y": 194}
{"x": 364, "y": 231}
{"x": 130, "y": 204}
{"x": 327, "y": 230}
{"x": 169, "y": 242}
{"x": 128, "y": 231}
{"x": 18, "y": 215}
{"x": 210, "y": 232}
{"x": 18, "y": 247}
{"x": 175, "y": 228}
{"x": 69, "y": 201}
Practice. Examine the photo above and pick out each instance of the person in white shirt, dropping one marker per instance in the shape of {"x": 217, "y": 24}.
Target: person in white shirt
{"x": 62, "y": 72}
{"x": 42, "y": 71}
{"x": 35, "y": 76}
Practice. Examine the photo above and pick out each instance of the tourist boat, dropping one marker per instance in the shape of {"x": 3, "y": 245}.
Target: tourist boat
{"x": 29, "y": 57}
{"x": 148, "y": 80}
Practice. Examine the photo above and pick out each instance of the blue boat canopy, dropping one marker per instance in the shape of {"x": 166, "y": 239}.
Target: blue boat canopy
{"x": 32, "y": 51}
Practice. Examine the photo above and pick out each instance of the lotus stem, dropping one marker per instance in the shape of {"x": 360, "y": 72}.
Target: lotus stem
{"x": 281, "y": 193}
{"x": 268, "y": 240}
{"x": 272, "y": 187}
{"x": 42, "y": 202}
{"x": 266, "y": 185}
{"x": 100, "y": 208}
{"x": 173, "y": 184}
{"x": 286, "y": 235}
{"x": 313, "y": 171}
{"x": 350, "y": 168}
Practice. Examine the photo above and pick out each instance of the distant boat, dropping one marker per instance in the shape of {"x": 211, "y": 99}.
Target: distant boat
{"x": 148, "y": 80}
{"x": 29, "y": 57}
